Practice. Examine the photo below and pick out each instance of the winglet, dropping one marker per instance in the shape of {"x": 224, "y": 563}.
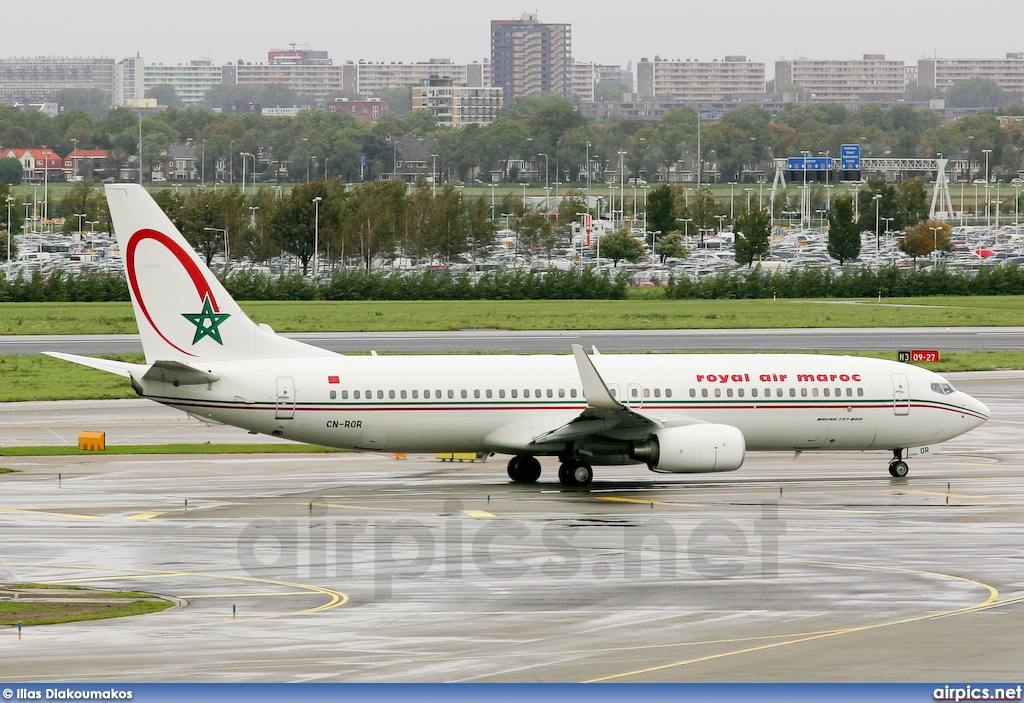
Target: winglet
{"x": 594, "y": 389}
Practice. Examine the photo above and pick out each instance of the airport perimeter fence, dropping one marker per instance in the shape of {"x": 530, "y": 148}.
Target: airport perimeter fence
{"x": 863, "y": 282}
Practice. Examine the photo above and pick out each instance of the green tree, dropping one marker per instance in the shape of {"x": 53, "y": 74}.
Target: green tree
{"x": 479, "y": 227}
{"x": 10, "y": 171}
{"x": 671, "y": 245}
{"x": 911, "y": 203}
{"x": 753, "y": 236}
{"x": 843, "y": 231}
{"x": 94, "y": 102}
{"x": 661, "y": 210}
{"x": 976, "y": 92}
{"x": 572, "y": 206}
{"x": 446, "y": 226}
{"x": 83, "y": 199}
{"x": 165, "y": 95}
{"x": 294, "y": 221}
{"x": 621, "y": 245}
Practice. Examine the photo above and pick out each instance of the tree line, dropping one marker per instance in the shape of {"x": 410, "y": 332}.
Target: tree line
{"x": 545, "y": 130}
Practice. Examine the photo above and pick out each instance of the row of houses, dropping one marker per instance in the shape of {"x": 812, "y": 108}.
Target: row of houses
{"x": 44, "y": 163}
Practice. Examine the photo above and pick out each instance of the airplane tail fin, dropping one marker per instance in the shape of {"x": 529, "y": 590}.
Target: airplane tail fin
{"x": 183, "y": 312}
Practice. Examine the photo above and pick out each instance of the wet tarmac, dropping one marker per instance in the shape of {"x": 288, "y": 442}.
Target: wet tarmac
{"x": 358, "y": 567}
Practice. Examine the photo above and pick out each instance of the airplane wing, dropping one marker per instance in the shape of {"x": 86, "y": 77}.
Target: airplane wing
{"x": 603, "y": 414}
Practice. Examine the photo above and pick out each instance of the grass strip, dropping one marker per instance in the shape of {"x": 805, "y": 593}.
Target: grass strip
{"x": 639, "y": 313}
{"x": 67, "y": 450}
{"x": 42, "y": 613}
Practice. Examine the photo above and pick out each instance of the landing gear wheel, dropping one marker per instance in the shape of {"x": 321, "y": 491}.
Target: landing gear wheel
{"x": 575, "y": 473}
{"x": 524, "y": 469}
{"x": 898, "y": 469}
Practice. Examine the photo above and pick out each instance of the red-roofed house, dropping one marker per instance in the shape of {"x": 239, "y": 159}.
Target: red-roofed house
{"x": 36, "y": 164}
{"x": 73, "y": 162}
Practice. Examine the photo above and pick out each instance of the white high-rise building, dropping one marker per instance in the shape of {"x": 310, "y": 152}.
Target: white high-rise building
{"x": 128, "y": 80}
{"x": 190, "y": 80}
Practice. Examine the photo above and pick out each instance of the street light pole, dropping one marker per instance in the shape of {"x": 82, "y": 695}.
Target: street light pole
{"x": 547, "y": 198}
{"x": 935, "y": 242}
{"x": 10, "y": 199}
{"x": 433, "y": 176}
{"x": 588, "y": 175}
{"x": 316, "y": 237}
{"x": 878, "y": 200}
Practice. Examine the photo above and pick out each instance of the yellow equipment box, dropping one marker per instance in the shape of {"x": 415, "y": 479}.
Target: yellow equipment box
{"x": 92, "y": 441}
{"x": 467, "y": 456}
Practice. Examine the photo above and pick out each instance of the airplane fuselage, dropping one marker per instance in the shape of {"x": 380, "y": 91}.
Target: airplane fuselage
{"x": 502, "y": 403}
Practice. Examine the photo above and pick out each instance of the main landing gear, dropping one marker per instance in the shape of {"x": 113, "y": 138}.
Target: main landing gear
{"x": 575, "y": 473}
{"x": 897, "y": 467}
{"x": 524, "y": 469}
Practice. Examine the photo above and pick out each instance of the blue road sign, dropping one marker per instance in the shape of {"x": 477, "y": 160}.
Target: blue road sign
{"x": 850, "y": 154}
{"x": 810, "y": 163}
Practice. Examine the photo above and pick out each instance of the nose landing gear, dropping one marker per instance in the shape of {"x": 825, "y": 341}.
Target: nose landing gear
{"x": 897, "y": 467}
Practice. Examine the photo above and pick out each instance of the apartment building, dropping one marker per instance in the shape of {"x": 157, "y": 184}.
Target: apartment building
{"x": 36, "y": 79}
{"x": 833, "y": 80}
{"x": 942, "y": 73}
{"x": 369, "y": 79}
{"x": 129, "y": 80}
{"x": 190, "y": 80}
{"x": 456, "y": 105}
{"x": 696, "y": 81}
{"x": 528, "y": 57}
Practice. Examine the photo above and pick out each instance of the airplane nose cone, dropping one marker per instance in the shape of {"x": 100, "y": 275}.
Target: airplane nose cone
{"x": 976, "y": 407}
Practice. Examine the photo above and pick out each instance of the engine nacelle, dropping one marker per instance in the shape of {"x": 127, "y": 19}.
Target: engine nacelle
{"x": 700, "y": 448}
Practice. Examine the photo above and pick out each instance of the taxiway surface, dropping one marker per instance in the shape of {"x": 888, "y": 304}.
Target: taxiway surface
{"x": 358, "y": 567}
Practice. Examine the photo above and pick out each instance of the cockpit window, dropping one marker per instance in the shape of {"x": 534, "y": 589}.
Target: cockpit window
{"x": 942, "y": 388}
{"x": 947, "y": 389}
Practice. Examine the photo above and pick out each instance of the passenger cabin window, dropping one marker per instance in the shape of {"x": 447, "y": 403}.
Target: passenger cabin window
{"x": 849, "y": 392}
{"x": 826, "y": 393}
{"x": 704, "y": 392}
{"x": 572, "y": 392}
{"x": 753, "y": 392}
{"x": 391, "y": 395}
{"x": 526, "y": 392}
{"x": 635, "y": 392}
{"x": 476, "y": 393}
{"x": 814, "y": 392}
{"x": 693, "y": 392}
{"x": 647, "y": 392}
{"x": 355, "y": 394}
{"x": 344, "y": 395}
{"x": 739, "y": 392}
{"x": 778, "y": 392}
{"x": 803, "y": 392}
{"x": 334, "y": 394}
{"x": 515, "y": 393}
{"x": 551, "y": 393}
{"x": 860, "y": 392}
{"x": 501, "y": 393}
{"x": 792, "y": 392}
{"x": 561, "y": 392}
{"x": 668, "y": 392}
{"x": 489, "y": 393}
{"x": 465, "y": 394}
{"x": 403, "y": 395}
{"x": 718, "y": 392}
{"x": 451, "y": 394}
{"x": 728, "y": 392}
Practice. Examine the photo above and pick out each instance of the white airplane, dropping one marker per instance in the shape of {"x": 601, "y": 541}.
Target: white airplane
{"x": 674, "y": 413}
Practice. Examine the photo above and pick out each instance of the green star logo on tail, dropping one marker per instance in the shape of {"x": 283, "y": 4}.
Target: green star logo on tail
{"x": 207, "y": 322}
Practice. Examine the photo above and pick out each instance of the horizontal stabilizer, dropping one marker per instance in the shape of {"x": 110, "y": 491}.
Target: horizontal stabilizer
{"x": 121, "y": 368}
{"x": 178, "y": 373}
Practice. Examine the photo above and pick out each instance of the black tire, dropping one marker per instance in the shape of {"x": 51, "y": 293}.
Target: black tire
{"x": 513, "y": 468}
{"x": 565, "y": 473}
{"x": 899, "y": 469}
{"x": 524, "y": 469}
{"x": 529, "y": 469}
{"x": 582, "y": 475}
{"x": 575, "y": 473}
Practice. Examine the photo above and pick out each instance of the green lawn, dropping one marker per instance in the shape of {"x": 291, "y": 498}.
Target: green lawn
{"x": 385, "y": 316}
{"x": 75, "y": 604}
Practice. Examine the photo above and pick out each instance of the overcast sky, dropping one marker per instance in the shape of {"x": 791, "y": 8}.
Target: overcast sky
{"x": 173, "y": 31}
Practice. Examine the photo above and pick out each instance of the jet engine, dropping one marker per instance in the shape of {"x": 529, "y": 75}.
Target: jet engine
{"x": 700, "y": 448}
